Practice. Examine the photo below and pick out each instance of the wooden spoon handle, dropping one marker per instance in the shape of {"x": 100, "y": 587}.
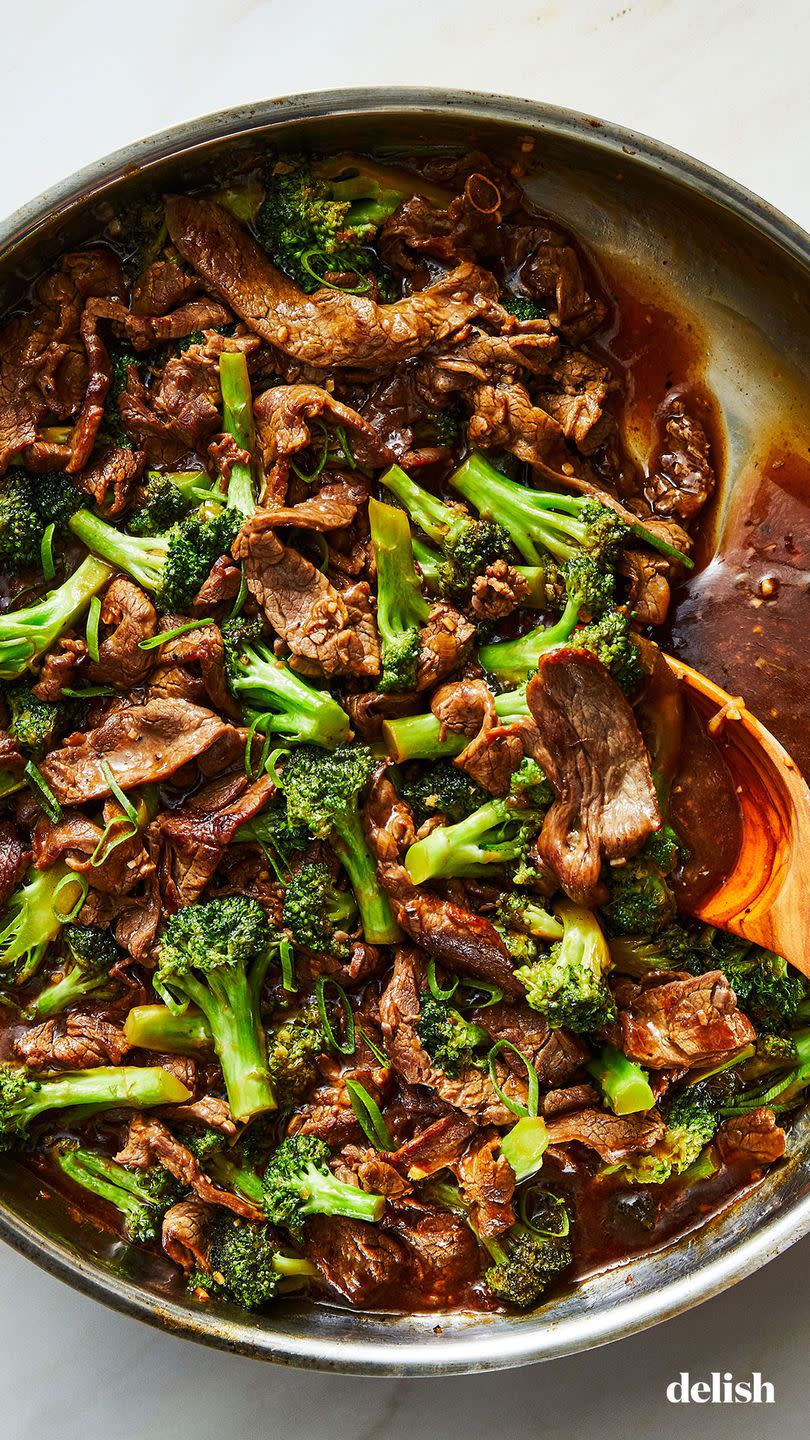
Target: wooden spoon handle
{"x": 766, "y": 898}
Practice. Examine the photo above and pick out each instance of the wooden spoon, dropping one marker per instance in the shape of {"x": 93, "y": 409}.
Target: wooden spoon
{"x": 766, "y": 898}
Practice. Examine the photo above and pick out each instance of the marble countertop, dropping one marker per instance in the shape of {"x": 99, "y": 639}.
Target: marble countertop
{"x": 726, "y": 81}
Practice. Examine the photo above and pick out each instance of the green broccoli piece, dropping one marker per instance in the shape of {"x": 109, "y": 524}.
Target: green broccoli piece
{"x": 623, "y": 1083}
{"x": 156, "y": 1027}
{"x": 28, "y": 505}
{"x": 569, "y": 986}
{"x": 280, "y": 838}
{"x": 130, "y": 1192}
{"x": 767, "y": 990}
{"x": 500, "y": 832}
{"x": 25, "y": 1096}
{"x": 237, "y": 421}
{"x": 467, "y": 545}
{"x": 641, "y": 902}
{"x": 440, "y": 789}
{"x": 419, "y": 737}
{"x": 613, "y": 642}
{"x": 215, "y": 955}
{"x": 293, "y": 1048}
{"x": 323, "y": 790}
{"x": 316, "y": 912}
{"x": 277, "y": 700}
{"x": 28, "y": 633}
{"x": 691, "y": 1121}
{"x": 171, "y": 566}
{"x": 140, "y": 234}
{"x": 246, "y": 1266}
{"x": 93, "y": 952}
{"x": 523, "y": 308}
{"x": 35, "y": 724}
{"x": 298, "y": 1183}
{"x": 525, "y": 1265}
{"x": 112, "y": 429}
{"x": 449, "y": 1039}
{"x": 31, "y": 920}
{"x": 169, "y": 497}
{"x": 401, "y": 607}
{"x": 524, "y": 926}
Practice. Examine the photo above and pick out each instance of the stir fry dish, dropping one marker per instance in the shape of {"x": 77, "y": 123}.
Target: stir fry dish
{"x": 352, "y": 821}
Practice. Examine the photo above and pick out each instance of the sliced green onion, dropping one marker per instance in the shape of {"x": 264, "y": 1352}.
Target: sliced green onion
{"x": 236, "y": 608}
{"x": 91, "y": 631}
{"x": 379, "y": 1055}
{"x": 272, "y": 761}
{"x": 308, "y": 475}
{"x": 155, "y": 641}
{"x": 46, "y": 553}
{"x": 433, "y": 984}
{"x": 345, "y": 447}
{"x": 104, "y": 849}
{"x": 45, "y": 797}
{"x": 64, "y": 917}
{"x": 531, "y": 1075}
{"x": 287, "y": 958}
{"x": 524, "y": 1145}
{"x": 369, "y": 1116}
{"x": 555, "y": 1220}
{"x": 657, "y": 543}
{"x": 322, "y": 563}
{"x": 126, "y": 804}
{"x": 483, "y": 987}
{"x": 306, "y": 263}
{"x": 89, "y": 692}
{"x": 252, "y": 728}
{"x": 347, "y": 1047}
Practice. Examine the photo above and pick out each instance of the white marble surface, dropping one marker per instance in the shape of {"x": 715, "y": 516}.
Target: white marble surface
{"x": 723, "y": 79}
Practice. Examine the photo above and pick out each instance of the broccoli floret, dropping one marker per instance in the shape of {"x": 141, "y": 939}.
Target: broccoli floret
{"x": 612, "y": 641}
{"x": 30, "y": 922}
{"x": 500, "y": 832}
{"x": 93, "y": 953}
{"x": 245, "y": 1265}
{"x": 278, "y": 836}
{"x": 298, "y": 1183}
{"x": 525, "y": 1265}
{"x": 523, "y": 308}
{"x": 140, "y": 234}
{"x": 323, "y": 790}
{"x": 34, "y": 723}
{"x": 142, "y": 1197}
{"x": 28, "y": 633}
{"x": 156, "y": 1027}
{"x": 467, "y": 545}
{"x": 767, "y": 990}
{"x": 623, "y": 1083}
{"x": 171, "y": 566}
{"x": 316, "y": 912}
{"x": 168, "y": 497}
{"x": 440, "y": 789}
{"x": 28, "y": 505}
{"x": 691, "y": 1120}
{"x": 569, "y": 987}
{"x": 641, "y": 902}
{"x": 419, "y": 737}
{"x": 318, "y": 218}
{"x": 401, "y": 607}
{"x": 450, "y": 1040}
{"x": 293, "y": 1047}
{"x": 670, "y": 949}
{"x": 524, "y": 926}
{"x": 215, "y": 955}
{"x": 537, "y": 520}
{"x": 112, "y": 426}
{"x": 274, "y": 697}
{"x": 24, "y": 1096}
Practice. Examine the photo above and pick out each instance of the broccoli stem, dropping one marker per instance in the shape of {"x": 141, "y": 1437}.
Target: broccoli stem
{"x": 532, "y": 517}
{"x": 387, "y": 185}
{"x": 524, "y": 1145}
{"x": 237, "y": 1177}
{"x": 513, "y": 660}
{"x": 288, "y": 705}
{"x": 72, "y": 986}
{"x": 111, "y": 1182}
{"x": 419, "y": 737}
{"x": 379, "y": 925}
{"x": 237, "y": 420}
{"x": 155, "y": 1027}
{"x": 457, "y": 849}
{"x": 401, "y": 606}
{"x": 623, "y": 1083}
{"x": 143, "y": 557}
{"x": 323, "y": 1194}
{"x": 227, "y": 1001}
{"x": 107, "y": 1086}
{"x": 26, "y": 634}
{"x": 436, "y": 519}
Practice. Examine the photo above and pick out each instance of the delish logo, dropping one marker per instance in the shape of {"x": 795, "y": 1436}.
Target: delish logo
{"x": 720, "y": 1390}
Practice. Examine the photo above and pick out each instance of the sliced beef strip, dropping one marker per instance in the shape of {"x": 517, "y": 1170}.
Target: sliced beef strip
{"x": 487, "y": 1183}
{"x": 504, "y": 417}
{"x": 334, "y": 507}
{"x": 112, "y": 469}
{"x": 61, "y": 668}
{"x": 613, "y": 1137}
{"x": 193, "y": 843}
{"x": 434, "y": 1148}
{"x": 75, "y": 840}
{"x": 161, "y": 287}
{"x": 13, "y": 859}
{"x": 682, "y": 1022}
{"x": 317, "y": 621}
{"x": 145, "y": 331}
{"x": 444, "y": 643}
{"x": 495, "y": 751}
{"x": 184, "y": 1234}
{"x": 328, "y": 330}
{"x": 204, "y": 648}
{"x": 139, "y": 743}
{"x": 149, "y": 1140}
{"x": 443, "y": 1250}
{"x": 362, "y": 1262}
{"x": 471, "y": 1091}
{"x": 369, "y": 711}
{"x": 587, "y": 741}
{"x": 555, "y": 1054}
{"x": 755, "y": 1137}
{"x": 132, "y": 618}
{"x": 683, "y": 478}
{"x": 285, "y": 416}
{"x": 464, "y": 942}
{"x": 74, "y": 1041}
